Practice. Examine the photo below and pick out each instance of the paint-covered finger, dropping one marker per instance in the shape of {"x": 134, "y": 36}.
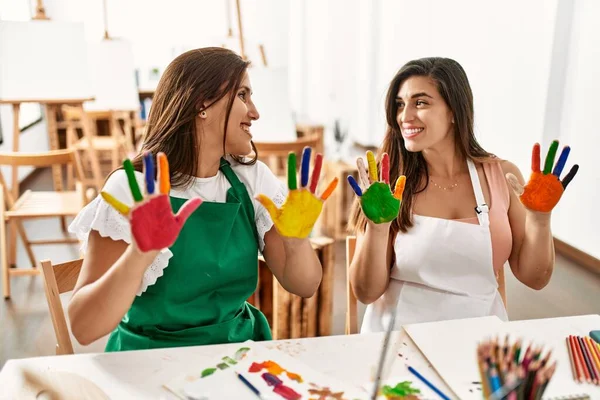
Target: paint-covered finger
{"x": 562, "y": 160}
{"x": 133, "y": 185}
{"x": 164, "y": 180}
{"x": 292, "y": 184}
{"x": 515, "y": 184}
{"x": 268, "y": 204}
{"x": 362, "y": 173}
{"x": 305, "y": 166}
{"x": 569, "y": 177}
{"x": 316, "y": 174}
{"x": 187, "y": 209}
{"x": 116, "y": 204}
{"x": 329, "y": 189}
{"x": 399, "y": 189}
{"x": 535, "y": 158}
{"x": 354, "y": 185}
{"x": 372, "y": 167}
{"x": 385, "y": 168}
{"x": 149, "y": 172}
{"x": 550, "y": 157}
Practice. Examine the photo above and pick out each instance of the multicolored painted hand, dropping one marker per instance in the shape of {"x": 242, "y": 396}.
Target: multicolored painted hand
{"x": 377, "y": 201}
{"x": 544, "y": 189}
{"x": 153, "y": 224}
{"x": 301, "y": 209}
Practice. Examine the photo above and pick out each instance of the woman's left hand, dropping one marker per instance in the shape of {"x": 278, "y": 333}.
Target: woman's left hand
{"x": 300, "y": 211}
{"x": 544, "y": 189}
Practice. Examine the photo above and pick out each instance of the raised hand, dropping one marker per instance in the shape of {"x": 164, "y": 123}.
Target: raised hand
{"x": 300, "y": 211}
{"x": 377, "y": 201}
{"x": 544, "y": 189}
{"x": 153, "y": 224}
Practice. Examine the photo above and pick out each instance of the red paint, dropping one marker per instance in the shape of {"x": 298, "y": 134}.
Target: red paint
{"x": 153, "y": 225}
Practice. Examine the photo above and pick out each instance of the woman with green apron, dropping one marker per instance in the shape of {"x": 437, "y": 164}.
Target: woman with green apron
{"x": 175, "y": 267}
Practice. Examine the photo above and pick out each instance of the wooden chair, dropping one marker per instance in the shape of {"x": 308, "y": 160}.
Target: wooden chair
{"x": 351, "y": 302}
{"x": 275, "y": 154}
{"x": 59, "y": 279}
{"x": 32, "y": 205}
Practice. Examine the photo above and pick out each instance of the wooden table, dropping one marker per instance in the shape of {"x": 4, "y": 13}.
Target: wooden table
{"x": 351, "y": 358}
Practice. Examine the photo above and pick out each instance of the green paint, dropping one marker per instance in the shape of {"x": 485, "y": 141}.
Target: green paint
{"x": 402, "y": 389}
{"x": 241, "y": 353}
{"x": 222, "y": 365}
{"x": 292, "y": 185}
{"x": 133, "y": 185}
{"x": 208, "y": 372}
{"x": 550, "y": 157}
{"x": 378, "y": 203}
{"x": 229, "y": 360}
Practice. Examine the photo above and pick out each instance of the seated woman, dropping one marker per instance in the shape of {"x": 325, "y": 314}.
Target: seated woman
{"x": 153, "y": 281}
{"x": 441, "y": 254}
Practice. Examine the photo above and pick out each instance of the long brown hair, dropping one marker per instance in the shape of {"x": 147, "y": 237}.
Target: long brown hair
{"x": 196, "y": 77}
{"x": 453, "y": 85}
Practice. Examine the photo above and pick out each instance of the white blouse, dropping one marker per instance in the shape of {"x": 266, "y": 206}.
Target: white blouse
{"x": 100, "y": 216}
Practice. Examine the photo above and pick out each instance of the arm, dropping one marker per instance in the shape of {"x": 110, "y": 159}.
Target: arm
{"x": 370, "y": 267}
{"x": 532, "y": 256}
{"x": 109, "y": 279}
{"x": 294, "y": 263}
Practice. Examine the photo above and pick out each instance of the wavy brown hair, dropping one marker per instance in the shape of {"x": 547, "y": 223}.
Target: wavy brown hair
{"x": 453, "y": 85}
{"x": 196, "y": 77}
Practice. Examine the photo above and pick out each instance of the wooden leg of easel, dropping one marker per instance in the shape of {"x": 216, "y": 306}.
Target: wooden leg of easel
{"x": 3, "y": 249}
{"x": 12, "y": 244}
{"x": 12, "y": 235}
{"x": 85, "y": 126}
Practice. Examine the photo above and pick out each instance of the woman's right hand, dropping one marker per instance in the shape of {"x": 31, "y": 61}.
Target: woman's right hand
{"x": 377, "y": 201}
{"x": 153, "y": 224}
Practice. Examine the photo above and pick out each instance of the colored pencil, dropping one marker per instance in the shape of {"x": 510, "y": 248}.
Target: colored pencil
{"x": 586, "y": 372}
{"x": 593, "y": 354}
{"x": 249, "y": 385}
{"x": 571, "y": 359}
{"x": 588, "y": 362}
{"x": 429, "y": 384}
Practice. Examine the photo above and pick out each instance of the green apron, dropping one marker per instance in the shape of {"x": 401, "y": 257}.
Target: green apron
{"x": 201, "y": 298}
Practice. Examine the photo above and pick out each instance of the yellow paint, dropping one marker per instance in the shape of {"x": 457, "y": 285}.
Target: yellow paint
{"x": 372, "y": 166}
{"x": 116, "y": 204}
{"x": 297, "y": 215}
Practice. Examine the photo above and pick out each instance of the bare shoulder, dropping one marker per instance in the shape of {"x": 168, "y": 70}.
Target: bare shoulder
{"x": 509, "y": 167}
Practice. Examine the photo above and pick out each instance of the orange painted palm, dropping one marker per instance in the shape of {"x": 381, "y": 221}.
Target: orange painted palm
{"x": 300, "y": 211}
{"x": 544, "y": 189}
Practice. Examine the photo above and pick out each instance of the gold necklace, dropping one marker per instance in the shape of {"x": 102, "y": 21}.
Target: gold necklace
{"x": 455, "y": 184}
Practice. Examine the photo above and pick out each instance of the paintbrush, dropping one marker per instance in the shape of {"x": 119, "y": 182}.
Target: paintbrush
{"x": 383, "y": 353}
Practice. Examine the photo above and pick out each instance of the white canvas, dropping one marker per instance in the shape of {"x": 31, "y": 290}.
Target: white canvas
{"x": 43, "y": 60}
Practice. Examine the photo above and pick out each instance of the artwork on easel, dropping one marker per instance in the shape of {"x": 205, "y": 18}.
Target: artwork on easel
{"x": 273, "y": 373}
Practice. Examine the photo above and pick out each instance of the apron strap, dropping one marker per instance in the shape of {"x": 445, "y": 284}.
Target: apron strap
{"x": 241, "y": 193}
{"x": 481, "y": 209}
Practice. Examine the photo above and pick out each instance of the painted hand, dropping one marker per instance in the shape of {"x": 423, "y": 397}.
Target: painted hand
{"x": 378, "y": 203}
{"x": 544, "y": 189}
{"x": 301, "y": 209}
{"x": 153, "y": 224}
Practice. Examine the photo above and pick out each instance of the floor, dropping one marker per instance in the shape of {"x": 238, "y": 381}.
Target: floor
{"x": 26, "y": 329}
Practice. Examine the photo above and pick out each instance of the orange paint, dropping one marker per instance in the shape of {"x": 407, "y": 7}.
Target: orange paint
{"x": 273, "y": 368}
{"x": 542, "y": 192}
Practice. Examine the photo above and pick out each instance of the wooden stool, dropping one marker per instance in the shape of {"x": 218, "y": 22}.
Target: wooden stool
{"x": 336, "y": 209}
{"x": 292, "y": 316}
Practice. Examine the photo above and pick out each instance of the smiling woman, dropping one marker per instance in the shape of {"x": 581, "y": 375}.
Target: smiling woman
{"x": 159, "y": 279}
{"x": 443, "y": 255}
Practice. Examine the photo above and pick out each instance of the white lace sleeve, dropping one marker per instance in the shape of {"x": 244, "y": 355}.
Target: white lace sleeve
{"x": 101, "y": 217}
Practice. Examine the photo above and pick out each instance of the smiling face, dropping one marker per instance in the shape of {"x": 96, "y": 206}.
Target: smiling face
{"x": 239, "y": 134}
{"x": 423, "y": 116}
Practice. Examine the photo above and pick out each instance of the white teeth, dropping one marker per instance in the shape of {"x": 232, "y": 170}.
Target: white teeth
{"x": 413, "y": 131}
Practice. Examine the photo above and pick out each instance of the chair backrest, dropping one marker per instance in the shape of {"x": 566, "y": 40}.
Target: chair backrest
{"x": 275, "y": 154}
{"x": 60, "y": 278}
{"x": 46, "y": 159}
{"x": 351, "y": 302}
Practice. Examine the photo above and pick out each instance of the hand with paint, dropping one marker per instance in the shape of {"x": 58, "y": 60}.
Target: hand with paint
{"x": 301, "y": 209}
{"x": 153, "y": 224}
{"x": 378, "y": 202}
{"x": 544, "y": 189}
